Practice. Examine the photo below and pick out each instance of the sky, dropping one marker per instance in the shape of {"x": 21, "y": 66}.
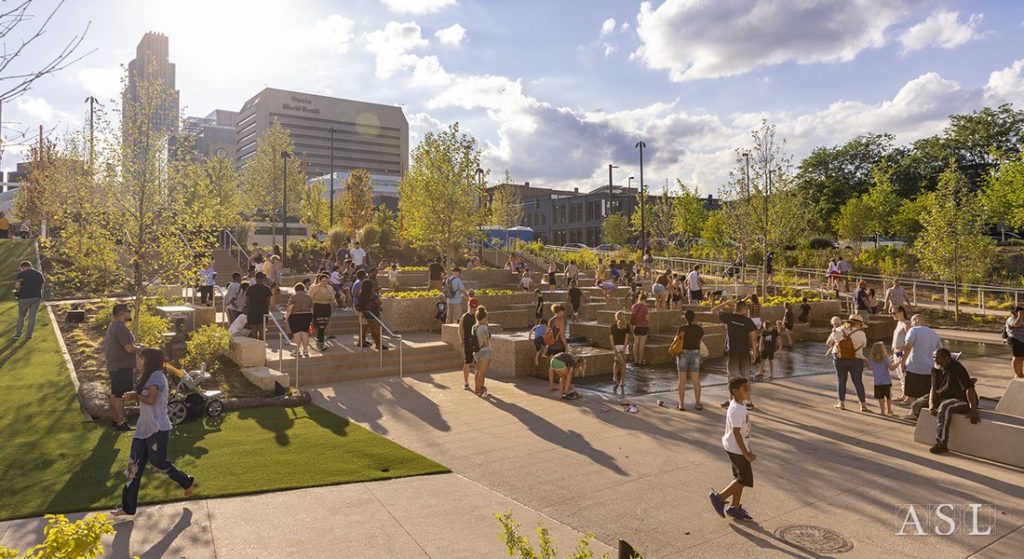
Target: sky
{"x": 556, "y": 90}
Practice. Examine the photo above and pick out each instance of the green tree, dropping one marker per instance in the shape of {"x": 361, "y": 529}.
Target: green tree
{"x": 882, "y": 201}
{"x": 438, "y": 197}
{"x": 907, "y": 222}
{"x": 507, "y": 204}
{"x": 356, "y": 207}
{"x": 688, "y": 213}
{"x": 952, "y": 247}
{"x": 1003, "y": 196}
{"x": 854, "y": 220}
{"x": 263, "y": 176}
{"x": 315, "y": 208}
{"x": 616, "y": 229}
{"x": 387, "y": 223}
{"x": 659, "y": 214}
{"x": 765, "y": 208}
{"x": 716, "y": 231}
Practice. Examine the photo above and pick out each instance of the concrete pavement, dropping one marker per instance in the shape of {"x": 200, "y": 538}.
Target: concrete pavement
{"x": 439, "y": 516}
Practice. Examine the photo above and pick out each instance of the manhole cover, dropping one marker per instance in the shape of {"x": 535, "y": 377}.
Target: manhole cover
{"x": 814, "y": 538}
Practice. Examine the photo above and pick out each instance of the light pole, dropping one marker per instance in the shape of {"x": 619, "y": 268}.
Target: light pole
{"x": 608, "y": 212}
{"x": 331, "y": 208}
{"x": 481, "y": 193}
{"x": 643, "y": 195}
{"x": 284, "y": 208}
{"x": 764, "y": 257}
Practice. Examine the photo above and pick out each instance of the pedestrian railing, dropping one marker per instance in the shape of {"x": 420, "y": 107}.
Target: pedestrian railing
{"x": 283, "y": 340}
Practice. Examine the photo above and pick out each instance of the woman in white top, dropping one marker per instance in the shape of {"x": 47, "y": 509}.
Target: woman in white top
{"x": 899, "y": 342}
{"x": 846, "y": 344}
{"x": 483, "y": 355}
{"x": 152, "y": 432}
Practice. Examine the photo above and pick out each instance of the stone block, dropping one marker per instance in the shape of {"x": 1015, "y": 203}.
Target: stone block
{"x": 248, "y": 352}
{"x": 1012, "y": 402}
{"x": 172, "y": 312}
{"x": 204, "y": 315}
{"x": 266, "y": 378}
{"x": 997, "y": 437}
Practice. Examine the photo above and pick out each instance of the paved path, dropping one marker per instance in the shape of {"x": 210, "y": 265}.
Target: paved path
{"x": 644, "y": 477}
{"x": 441, "y": 516}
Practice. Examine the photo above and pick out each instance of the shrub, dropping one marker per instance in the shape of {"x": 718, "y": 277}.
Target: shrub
{"x": 369, "y": 236}
{"x": 819, "y": 243}
{"x": 424, "y": 294}
{"x": 304, "y": 255}
{"x": 82, "y": 538}
{"x": 204, "y": 345}
{"x": 151, "y": 326}
{"x": 519, "y": 546}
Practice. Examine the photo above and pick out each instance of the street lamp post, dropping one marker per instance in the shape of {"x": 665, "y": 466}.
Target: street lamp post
{"x": 481, "y": 193}
{"x": 608, "y": 212}
{"x": 284, "y": 209}
{"x": 643, "y": 197}
{"x": 764, "y": 257}
{"x": 331, "y": 208}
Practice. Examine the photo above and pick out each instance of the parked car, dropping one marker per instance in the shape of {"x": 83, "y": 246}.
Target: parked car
{"x": 609, "y": 247}
{"x": 575, "y": 245}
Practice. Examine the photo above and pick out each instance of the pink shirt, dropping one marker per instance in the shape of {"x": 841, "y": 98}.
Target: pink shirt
{"x": 639, "y": 312}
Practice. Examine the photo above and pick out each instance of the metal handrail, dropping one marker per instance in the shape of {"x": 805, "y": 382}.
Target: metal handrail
{"x": 282, "y": 339}
{"x": 241, "y": 250}
{"x": 380, "y": 351}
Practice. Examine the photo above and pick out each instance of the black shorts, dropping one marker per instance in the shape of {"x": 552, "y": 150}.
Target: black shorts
{"x": 741, "y": 470}
{"x": 121, "y": 381}
{"x": 299, "y": 322}
{"x": 466, "y": 354}
{"x": 697, "y": 295}
{"x": 768, "y": 354}
{"x": 917, "y": 386}
{"x": 883, "y": 391}
{"x": 538, "y": 344}
{"x": 1016, "y": 346}
{"x": 254, "y": 319}
{"x": 641, "y": 330}
{"x": 555, "y": 349}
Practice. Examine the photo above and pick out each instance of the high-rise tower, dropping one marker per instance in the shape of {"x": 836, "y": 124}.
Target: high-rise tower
{"x": 152, "y": 64}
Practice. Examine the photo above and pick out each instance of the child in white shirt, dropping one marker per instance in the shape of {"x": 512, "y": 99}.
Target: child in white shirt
{"x": 736, "y": 442}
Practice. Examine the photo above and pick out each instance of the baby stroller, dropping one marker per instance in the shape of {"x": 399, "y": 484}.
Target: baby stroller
{"x": 188, "y": 399}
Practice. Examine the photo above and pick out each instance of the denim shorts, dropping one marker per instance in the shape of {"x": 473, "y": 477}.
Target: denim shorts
{"x": 483, "y": 354}
{"x": 688, "y": 360}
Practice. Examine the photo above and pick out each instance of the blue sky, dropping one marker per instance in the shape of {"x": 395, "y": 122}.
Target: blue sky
{"x": 556, "y": 90}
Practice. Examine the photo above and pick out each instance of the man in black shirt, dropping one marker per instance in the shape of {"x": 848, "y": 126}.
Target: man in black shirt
{"x": 436, "y": 271}
{"x": 576, "y": 297}
{"x": 952, "y": 392}
{"x": 257, "y": 305}
{"x": 860, "y": 301}
{"x": 741, "y": 335}
{"x": 28, "y": 288}
{"x": 466, "y": 323}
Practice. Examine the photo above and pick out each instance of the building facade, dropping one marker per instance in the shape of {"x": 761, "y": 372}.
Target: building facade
{"x": 152, "y": 64}
{"x": 215, "y": 133}
{"x": 366, "y": 135}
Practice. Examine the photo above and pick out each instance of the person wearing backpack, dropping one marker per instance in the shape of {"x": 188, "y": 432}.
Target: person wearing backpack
{"x": 453, "y": 290}
{"x": 481, "y": 350}
{"x": 846, "y": 344}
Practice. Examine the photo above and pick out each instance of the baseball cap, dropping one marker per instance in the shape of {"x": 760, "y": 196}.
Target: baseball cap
{"x": 474, "y": 303}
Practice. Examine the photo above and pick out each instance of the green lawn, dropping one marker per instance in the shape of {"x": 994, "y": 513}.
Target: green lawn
{"x": 52, "y": 460}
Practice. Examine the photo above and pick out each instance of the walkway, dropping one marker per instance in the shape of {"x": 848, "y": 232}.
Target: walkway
{"x": 442, "y": 516}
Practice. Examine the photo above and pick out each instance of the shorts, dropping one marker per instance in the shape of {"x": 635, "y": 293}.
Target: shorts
{"x": 538, "y": 344}
{"x": 483, "y": 355}
{"x": 739, "y": 364}
{"x": 558, "y": 364}
{"x": 787, "y": 326}
{"x": 741, "y": 470}
{"x": 917, "y": 385}
{"x": 555, "y": 349}
{"x": 697, "y": 295}
{"x": 641, "y": 330}
{"x": 255, "y": 319}
{"x": 121, "y": 381}
{"x": 466, "y": 354}
{"x": 688, "y": 361}
{"x": 883, "y": 391}
{"x": 768, "y": 354}
{"x": 658, "y": 289}
{"x": 1016, "y": 346}
{"x": 434, "y": 285}
{"x": 299, "y": 322}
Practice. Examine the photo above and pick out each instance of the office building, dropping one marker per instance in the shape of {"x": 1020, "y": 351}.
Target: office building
{"x": 214, "y": 134}
{"x": 366, "y": 135}
{"x": 152, "y": 65}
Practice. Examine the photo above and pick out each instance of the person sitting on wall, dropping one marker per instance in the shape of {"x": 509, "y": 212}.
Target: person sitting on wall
{"x": 952, "y": 392}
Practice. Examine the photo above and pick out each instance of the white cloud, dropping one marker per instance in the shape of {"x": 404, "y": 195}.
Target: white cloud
{"x": 609, "y": 50}
{"x": 102, "y": 83}
{"x": 333, "y": 32}
{"x": 1007, "y": 85}
{"x": 428, "y": 72}
{"x": 608, "y": 26}
{"x": 695, "y": 40}
{"x": 41, "y": 111}
{"x": 418, "y": 6}
{"x": 942, "y": 29}
{"x": 391, "y": 45}
{"x": 624, "y": 27}
{"x": 452, "y": 35}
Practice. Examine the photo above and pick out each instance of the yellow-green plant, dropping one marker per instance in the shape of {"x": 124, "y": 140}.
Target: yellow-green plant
{"x": 79, "y": 539}
{"x": 519, "y": 545}
{"x": 204, "y": 345}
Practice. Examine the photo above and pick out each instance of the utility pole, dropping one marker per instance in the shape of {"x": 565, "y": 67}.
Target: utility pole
{"x": 331, "y": 208}
{"x": 643, "y": 197}
{"x": 610, "y": 188}
{"x": 284, "y": 210}
{"x": 764, "y": 251}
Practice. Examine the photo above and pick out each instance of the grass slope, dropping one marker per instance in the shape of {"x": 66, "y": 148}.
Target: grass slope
{"x": 54, "y": 461}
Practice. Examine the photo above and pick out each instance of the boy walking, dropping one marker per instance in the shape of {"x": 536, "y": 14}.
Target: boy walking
{"x": 736, "y": 442}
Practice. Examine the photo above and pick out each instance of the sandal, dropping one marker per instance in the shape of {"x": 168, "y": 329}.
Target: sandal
{"x": 698, "y": 407}
{"x": 680, "y": 408}
{"x": 840, "y": 406}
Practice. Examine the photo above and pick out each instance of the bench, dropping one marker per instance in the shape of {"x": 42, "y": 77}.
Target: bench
{"x": 266, "y": 378}
{"x": 1012, "y": 401}
{"x": 998, "y": 437}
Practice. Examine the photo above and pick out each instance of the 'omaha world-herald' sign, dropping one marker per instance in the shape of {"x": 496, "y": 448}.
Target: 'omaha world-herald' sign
{"x": 301, "y": 105}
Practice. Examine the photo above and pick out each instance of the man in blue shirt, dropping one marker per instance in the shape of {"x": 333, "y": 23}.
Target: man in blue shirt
{"x": 458, "y": 289}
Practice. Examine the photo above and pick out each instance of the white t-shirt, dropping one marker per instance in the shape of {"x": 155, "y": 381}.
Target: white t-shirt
{"x": 694, "y": 279}
{"x": 922, "y": 356}
{"x": 735, "y": 417}
{"x": 571, "y": 271}
{"x": 526, "y": 282}
{"x": 392, "y": 275}
{"x": 335, "y": 278}
{"x": 358, "y": 256}
{"x": 858, "y": 337}
{"x": 899, "y": 335}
